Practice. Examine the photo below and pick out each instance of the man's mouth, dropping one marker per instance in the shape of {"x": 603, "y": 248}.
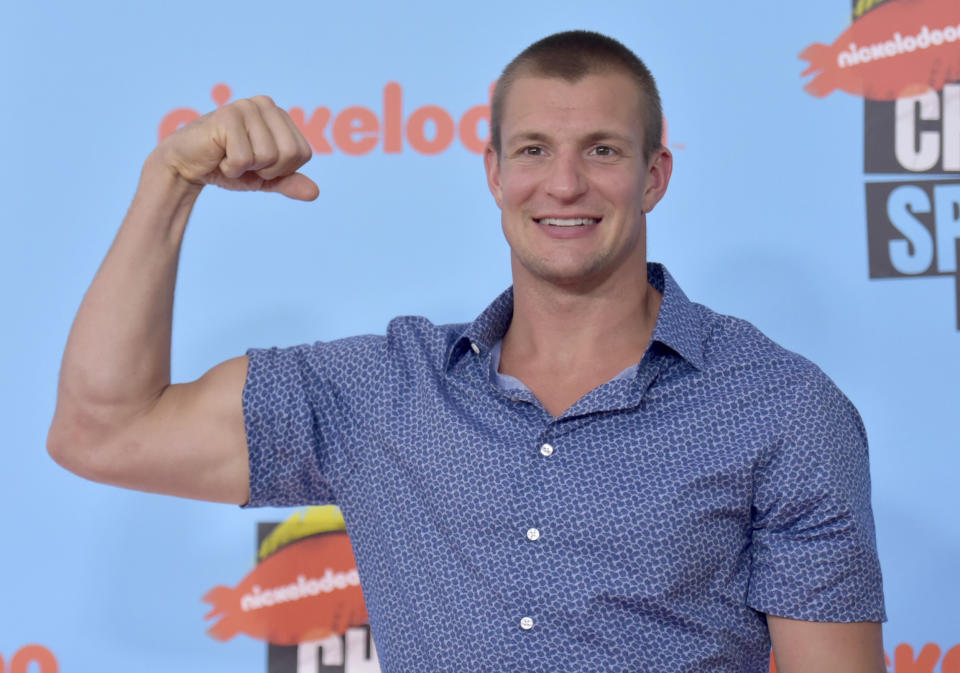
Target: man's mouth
{"x": 567, "y": 221}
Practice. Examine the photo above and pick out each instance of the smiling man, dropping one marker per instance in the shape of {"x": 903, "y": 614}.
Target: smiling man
{"x": 596, "y": 474}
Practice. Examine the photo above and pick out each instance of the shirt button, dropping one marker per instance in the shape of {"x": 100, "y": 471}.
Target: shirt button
{"x": 546, "y": 450}
{"x": 533, "y": 534}
{"x": 526, "y": 623}
{"x": 476, "y": 348}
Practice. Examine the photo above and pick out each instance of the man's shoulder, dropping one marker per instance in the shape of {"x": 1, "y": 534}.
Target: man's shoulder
{"x": 721, "y": 346}
{"x": 417, "y": 333}
{"x": 744, "y": 363}
{"x": 732, "y": 345}
{"x": 418, "y": 326}
{"x": 407, "y": 337}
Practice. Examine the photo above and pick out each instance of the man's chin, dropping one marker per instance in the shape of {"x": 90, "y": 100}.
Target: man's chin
{"x": 565, "y": 274}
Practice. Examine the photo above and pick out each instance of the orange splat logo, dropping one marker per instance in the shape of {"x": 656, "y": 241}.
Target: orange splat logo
{"x": 309, "y": 590}
{"x": 902, "y": 48}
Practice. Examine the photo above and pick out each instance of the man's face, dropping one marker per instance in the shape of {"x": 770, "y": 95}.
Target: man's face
{"x": 571, "y": 179}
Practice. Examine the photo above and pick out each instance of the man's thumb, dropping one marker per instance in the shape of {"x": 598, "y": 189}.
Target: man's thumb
{"x": 297, "y": 186}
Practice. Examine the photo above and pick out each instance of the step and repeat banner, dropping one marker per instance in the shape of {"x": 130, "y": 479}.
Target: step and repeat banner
{"x": 816, "y": 193}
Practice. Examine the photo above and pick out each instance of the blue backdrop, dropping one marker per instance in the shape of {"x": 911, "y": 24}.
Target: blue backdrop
{"x": 765, "y": 219}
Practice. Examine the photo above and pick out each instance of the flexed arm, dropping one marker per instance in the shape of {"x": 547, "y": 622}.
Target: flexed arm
{"x": 118, "y": 418}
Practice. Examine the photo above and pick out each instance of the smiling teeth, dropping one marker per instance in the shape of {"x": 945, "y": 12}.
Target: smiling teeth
{"x": 568, "y": 221}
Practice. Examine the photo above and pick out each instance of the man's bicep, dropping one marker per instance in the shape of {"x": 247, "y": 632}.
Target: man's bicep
{"x": 191, "y": 443}
{"x": 207, "y": 429}
{"x": 800, "y": 646}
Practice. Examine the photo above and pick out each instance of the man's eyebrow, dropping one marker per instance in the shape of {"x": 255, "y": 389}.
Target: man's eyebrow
{"x": 589, "y": 139}
{"x": 527, "y": 137}
{"x": 600, "y": 136}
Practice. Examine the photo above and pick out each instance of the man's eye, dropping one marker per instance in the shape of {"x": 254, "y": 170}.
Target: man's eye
{"x": 531, "y": 151}
{"x": 603, "y": 151}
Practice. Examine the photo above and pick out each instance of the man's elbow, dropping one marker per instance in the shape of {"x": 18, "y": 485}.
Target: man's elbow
{"x": 73, "y": 444}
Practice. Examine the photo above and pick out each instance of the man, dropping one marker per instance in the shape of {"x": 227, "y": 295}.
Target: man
{"x": 596, "y": 474}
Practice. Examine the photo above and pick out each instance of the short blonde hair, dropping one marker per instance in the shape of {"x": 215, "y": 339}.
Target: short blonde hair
{"x": 571, "y": 56}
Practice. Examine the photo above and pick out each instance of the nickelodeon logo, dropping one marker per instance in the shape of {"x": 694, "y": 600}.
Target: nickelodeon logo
{"x": 906, "y": 73}
{"x": 357, "y": 130}
{"x": 305, "y": 587}
{"x": 891, "y": 50}
{"x": 303, "y": 598}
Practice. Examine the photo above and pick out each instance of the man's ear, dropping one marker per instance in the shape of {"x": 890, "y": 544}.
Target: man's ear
{"x": 491, "y": 162}
{"x": 659, "y": 169}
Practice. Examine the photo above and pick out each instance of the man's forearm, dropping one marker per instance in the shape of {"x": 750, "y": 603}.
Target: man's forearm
{"x": 117, "y": 358}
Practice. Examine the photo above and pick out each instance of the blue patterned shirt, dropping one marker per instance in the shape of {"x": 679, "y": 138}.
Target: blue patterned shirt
{"x": 647, "y": 528}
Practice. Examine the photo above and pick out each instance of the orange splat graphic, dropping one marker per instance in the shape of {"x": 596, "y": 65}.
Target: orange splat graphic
{"x": 308, "y": 590}
{"x": 902, "y": 48}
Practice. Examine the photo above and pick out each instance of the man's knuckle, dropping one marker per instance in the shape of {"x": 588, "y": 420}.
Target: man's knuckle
{"x": 241, "y": 106}
{"x": 268, "y": 157}
{"x": 239, "y": 158}
{"x": 230, "y": 115}
{"x": 286, "y": 145}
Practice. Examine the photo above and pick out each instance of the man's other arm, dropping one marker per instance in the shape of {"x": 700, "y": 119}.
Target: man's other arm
{"x": 118, "y": 418}
{"x": 801, "y": 647}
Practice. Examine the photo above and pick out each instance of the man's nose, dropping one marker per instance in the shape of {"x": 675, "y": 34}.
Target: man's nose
{"x": 566, "y": 181}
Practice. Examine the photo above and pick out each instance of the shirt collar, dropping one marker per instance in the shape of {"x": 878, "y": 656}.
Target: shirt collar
{"x": 679, "y": 325}
{"x": 680, "y": 322}
{"x": 484, "y": 332}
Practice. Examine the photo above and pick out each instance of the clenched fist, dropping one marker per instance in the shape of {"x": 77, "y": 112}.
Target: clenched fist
{"x": 248, "y": 145}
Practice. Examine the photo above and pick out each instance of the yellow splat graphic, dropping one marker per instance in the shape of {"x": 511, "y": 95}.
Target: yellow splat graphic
{"x": 311, "y": 521}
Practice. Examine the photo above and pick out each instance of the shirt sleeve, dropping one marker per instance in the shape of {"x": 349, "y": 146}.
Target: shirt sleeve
{"x": 302, "y": 408}
{"x": 813, "y": 550}
{"x": 286, "y": 450}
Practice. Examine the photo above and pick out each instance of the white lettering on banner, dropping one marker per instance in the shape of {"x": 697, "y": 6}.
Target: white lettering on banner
{"x": 914, "y": 156}
{"x": 920, "y": 152}
{"x": 327, "y": 652}
{"x": 897, "y": 44}
{"x": 914, "y": 255}
{"x": 303, "y": 588}
{"x": 951, "y": 127}
{"x": 348, "y": 651}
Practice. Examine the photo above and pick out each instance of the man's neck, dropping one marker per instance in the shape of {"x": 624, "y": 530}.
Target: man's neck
{"x": 564, "y": 341}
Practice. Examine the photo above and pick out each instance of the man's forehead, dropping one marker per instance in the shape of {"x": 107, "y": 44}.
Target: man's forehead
{"x": 533, "y": 78}
{"x": 603, "y": 99}
{"x": 615, "y": 85}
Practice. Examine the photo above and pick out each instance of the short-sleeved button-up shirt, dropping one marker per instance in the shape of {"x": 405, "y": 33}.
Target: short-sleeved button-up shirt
{"x": 647, "y": 528}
